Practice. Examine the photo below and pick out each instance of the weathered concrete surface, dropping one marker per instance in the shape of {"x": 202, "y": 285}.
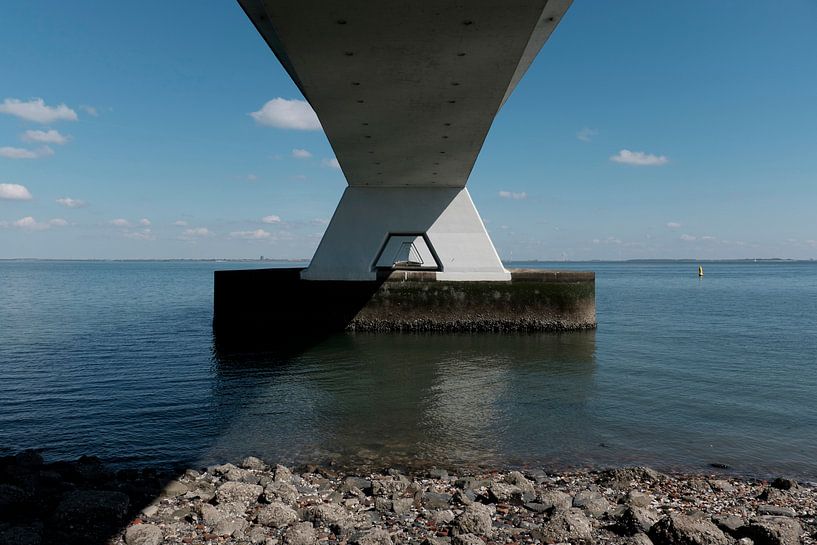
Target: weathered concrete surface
{"x": 269, "y": 302}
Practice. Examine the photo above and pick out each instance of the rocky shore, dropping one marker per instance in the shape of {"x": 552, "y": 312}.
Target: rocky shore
{"x": 83, "y": 502}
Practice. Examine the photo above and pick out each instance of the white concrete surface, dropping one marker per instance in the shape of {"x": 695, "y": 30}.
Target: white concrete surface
{"x": 406, "y": 91}
{"x": 366, "y": 217}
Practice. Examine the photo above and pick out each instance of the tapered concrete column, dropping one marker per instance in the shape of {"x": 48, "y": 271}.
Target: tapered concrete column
{"x": 440, "y": 223}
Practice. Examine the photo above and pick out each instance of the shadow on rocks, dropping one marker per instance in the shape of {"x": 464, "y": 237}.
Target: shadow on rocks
{"x": 70, "y": 503}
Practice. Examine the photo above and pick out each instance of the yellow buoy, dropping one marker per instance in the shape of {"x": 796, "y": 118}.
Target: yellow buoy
{"x": 700, "y": 271}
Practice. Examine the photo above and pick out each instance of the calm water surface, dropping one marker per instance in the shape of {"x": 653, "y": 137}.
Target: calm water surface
{"x": 117, "y": 359}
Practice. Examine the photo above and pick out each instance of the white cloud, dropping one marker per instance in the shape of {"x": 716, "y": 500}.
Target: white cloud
{"x": 58, "y": 222}
{"x": 37, "y": 111}
{"x": 708, "y": 238}
{"x": 68, "y": 202}
{"x": 47, "y": 137}
{"x": 196, "y": 232}
{"x": 258, "y": 234}
{"x": 29, "y": 223}
{"x": 144, "y": 221}
{"x": 252, "y": 177}
{"x": 120, "y": 222}
{"x": 144, "y": 234}
{"x": 288, "y": 114}
{"x": 301, "y": 153}
{"x": 180, "y": 223}
{"x": 90, "y": 110}
{"x": 320, "y": 221}
{"x": 639, "y": 158}
{"x": 687, "y": 238}
{"x": 14, "y": 192}
{"x": 586, "y": 134}
{"x": 271, "y": 219}
{"x": 331, "y": 163}
{"x": 23, "y": 153}
{"x": 673, "y": 225}
{"x": 513, "y": 196}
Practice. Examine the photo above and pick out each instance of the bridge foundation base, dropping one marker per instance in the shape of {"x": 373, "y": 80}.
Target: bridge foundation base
{"x": 270, "y": 303}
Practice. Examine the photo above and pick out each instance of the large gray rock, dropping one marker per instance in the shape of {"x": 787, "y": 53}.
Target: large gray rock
{"x": 555, "y": 499}
{"x": 326, "y": 513}
{"x": 301, "y": 533}
{"x": 433, "y": 500}
{"x": 251, "y": 462}
{"x": 776, "y": 511}
{"x": 476, "y": 519}
{"x": 376, "y": 536}
{"x": 504, "y": 492}
{"x": 634, "y": 520}
{"x": 638, "y": 499}
{"x": 282, "y": 474}
{"x": 773, "y": 531}
{"x": 284, "y": 492}
{"x": 143, "y": 534}
{"x": 241, "y": 492}
{"x": 444, "y": 516}
{"x": 467, "y": 539}
{"x": 679, "y": 529}
{"x": 729, "y": 523}
{"x": 565, "y": 526}
{"x": 276, "y": 515}
{"x": 241, "y": 475}
{"x": 591, "y": 502}
{"x": 516, "y": 478}
{"x": 402, "y": 505}
{"x": 392, "y": 487}
{"x": 223, "y": 520}
{"x": 257, "y": 535}
{"x": 358, "y": 483}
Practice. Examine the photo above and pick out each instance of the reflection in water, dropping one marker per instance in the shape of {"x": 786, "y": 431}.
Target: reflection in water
{"x": 411, "y": 400}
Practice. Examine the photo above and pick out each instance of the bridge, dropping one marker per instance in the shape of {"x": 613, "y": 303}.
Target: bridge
{"x": 406, "y": 92}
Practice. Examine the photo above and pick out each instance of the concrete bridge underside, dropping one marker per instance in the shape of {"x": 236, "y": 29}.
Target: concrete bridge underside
{"x": 406, "y": 92}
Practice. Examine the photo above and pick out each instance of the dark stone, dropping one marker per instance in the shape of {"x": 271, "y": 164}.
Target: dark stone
{"x": 769, "y": 530}
{"x": 13, "y": 501}
{"x": 375, "y": 536}
{"x": 729, "y": 524}
{"x": 85, "y": 516}
{"x": 565, "y": 526}
{"x": 433, "y": 500}
{"x": 634, "y": 520}
{"x": 143, "y": 534}
{"x": 776, "y": 511}
{"x": 678, "y": 529}
{"x": 20, "y": 535}
{"x": 29, "y": 458}
{"x": 784, "y": 484}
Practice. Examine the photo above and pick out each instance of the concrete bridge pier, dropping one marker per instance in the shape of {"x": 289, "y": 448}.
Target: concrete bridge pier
{"x": 406, "y": 92}
{"x": 432, "y": 229}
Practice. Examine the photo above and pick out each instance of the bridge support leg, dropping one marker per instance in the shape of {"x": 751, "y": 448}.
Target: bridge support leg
{"x": 443, "y": 221}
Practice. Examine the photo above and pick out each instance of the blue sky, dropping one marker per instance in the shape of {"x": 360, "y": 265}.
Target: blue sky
{"x": 643, "y": 130}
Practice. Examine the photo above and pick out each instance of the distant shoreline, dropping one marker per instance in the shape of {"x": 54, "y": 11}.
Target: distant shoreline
{"x": 306, "y": 260}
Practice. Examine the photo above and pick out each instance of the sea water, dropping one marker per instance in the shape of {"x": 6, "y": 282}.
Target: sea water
{"x": 118, "y": 360}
